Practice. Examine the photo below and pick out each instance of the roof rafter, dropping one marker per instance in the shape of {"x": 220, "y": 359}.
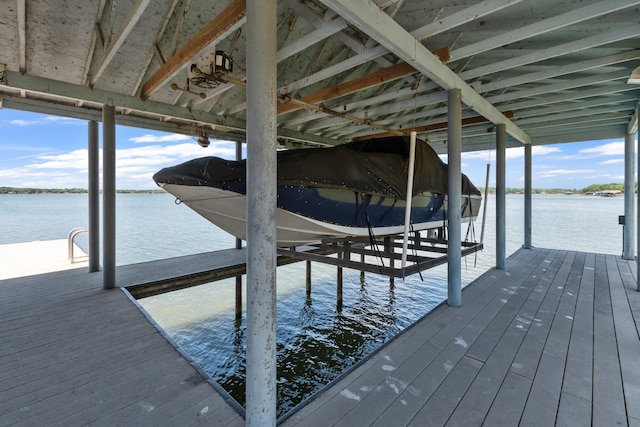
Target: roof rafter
{"x": 22, "y": 35}
{"x": 544, "y": 26}
{"x": 434, "y": 126}
{"x": 426, "y": 31}
{"x": 562, "y": 70}
{"x": 370, "y": 80}
{"x": 222, "y": 25}
{"x": 556, "y": 51}
{"x": 129, "y": 22}
{"x": 369, "y": 19}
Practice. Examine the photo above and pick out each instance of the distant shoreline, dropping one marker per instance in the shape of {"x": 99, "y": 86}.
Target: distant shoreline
{"x": 16, "y": 190}
{"x": 590, "y": 189}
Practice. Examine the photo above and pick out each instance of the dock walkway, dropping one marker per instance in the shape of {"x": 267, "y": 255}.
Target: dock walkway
{"x": 551, "y": 341}
{"x": 72, "y": 354}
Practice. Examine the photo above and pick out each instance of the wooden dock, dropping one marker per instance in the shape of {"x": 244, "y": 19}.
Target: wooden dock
{"x": 551, "y": 341}
{"x": 38, "y": 257}
{"x": 72, "y": 354}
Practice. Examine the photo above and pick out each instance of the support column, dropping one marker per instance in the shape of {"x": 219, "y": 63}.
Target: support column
{"x": 635, "y": 130}
{"x": 527, "y": 196}
{"x": 261, "y": 209}
{"x": 501, "y": 190}
{"x": 109, "y": 196}
{"x": 454, "y": 195}
{"x": 238, "y": 246}
{"x": 94, "y": 197}
{"x": 308, "y": 281}
{"x": 628, "y": 246}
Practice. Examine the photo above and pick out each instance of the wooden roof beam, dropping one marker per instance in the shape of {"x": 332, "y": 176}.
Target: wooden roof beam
{"x": 22, "y": 35}
{"x": 229, "y": 20}
{"x": 370, "y": 80}
{"x": 368, "y": 18}
{"x": 130, "y": 21}
{"x": 435, "y": 126}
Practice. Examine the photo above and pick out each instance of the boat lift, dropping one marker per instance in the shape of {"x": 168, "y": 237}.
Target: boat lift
{"x": 380, "y": 254}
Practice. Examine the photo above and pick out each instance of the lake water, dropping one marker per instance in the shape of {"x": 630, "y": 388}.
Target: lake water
{"x": 316, "y": 341}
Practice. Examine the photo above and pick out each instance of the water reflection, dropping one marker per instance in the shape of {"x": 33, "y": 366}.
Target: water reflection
{"x": 316, "y": 341}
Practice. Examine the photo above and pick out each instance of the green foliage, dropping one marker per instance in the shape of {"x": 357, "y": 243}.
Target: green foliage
{"x": 603, "y": 187}
{"x": 15, "y": 190}
{"x": 590, "y": 189}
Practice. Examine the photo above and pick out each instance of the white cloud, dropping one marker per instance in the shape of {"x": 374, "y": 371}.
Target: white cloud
{"x": 160, "y": 138}
{"x": 612, "y": 162}
{"x": 18, "y": 122}
{"x": 47, "y": 120}
{"x": 609, "y": 149}
{"x": 64, "y": 120}
{"x": 556, "y": 172}
{"x": 511, "y": 153}
{"x": 135, "y": 166}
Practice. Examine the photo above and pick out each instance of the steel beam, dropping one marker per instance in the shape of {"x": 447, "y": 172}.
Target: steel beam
{"x": 261, "y": 210}
{"x": 94, "y": 196}
{"x": 638, "y": 207}
{"x": 109, "y": 196}
{"x": 454, "y": 195}
{"x": 527, "y": 196}
{"x": 628, "y": 245}
{"x": 501, "y": 146}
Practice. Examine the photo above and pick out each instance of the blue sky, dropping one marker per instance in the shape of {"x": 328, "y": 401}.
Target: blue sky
{"x": 44, "y": 151}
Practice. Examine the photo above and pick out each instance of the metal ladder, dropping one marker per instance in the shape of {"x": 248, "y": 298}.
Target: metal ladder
{"x": 70, "y": 241}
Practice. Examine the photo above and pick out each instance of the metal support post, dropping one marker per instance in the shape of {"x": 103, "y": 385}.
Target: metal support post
{"x": 94, "y": 196}
{"x": 109, "y": 196}
{"x": 261, "y": 213}
{"x": 308, "y": 282}
{"x": 238, "y": 246}
{"x": 501, "y": 190}
{"x": 629, "y": 189}
{"x": 638, "y": 201}
{"x": 527, "y": 196}
{"x": 388, "y": 248}
{"x": 454, "y": 195}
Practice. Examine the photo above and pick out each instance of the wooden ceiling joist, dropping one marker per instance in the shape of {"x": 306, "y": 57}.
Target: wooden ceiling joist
{"x": 436, "y": 126}
{"x": 227, "y": 21}
{"x": 370, "y": 80}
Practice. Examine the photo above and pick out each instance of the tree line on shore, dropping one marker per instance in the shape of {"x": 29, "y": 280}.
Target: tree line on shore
{"x": 17, "y": 190}
{"x": 594, "y": 188}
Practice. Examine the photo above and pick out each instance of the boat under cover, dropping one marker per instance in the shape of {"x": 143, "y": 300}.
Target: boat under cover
{"x": 351, "y": 190}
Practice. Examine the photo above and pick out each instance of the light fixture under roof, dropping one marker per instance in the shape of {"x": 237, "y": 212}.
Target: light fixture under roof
{"x": 203, "y": 141}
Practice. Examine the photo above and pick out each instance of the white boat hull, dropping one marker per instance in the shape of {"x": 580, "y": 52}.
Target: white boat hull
{"x": 228, "y": 209}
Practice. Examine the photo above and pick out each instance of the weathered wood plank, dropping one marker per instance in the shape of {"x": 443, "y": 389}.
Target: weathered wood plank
{"x": 544, "y": 397}
{"x": 627, "y": 338}
{"x": 439, "y": 407}
{"x": 578, "y": 380}
{"x": 506, "y": 410}
{"x": 536, "y": 371}
{"x": 403, "y": 408}
{"x": 370, "y": 381}
{"x": 74, "y": 354}
{"x": 573, "y": 411}
{"x": 481, "y": 395}
{"x": 483, "y": 347}
{"x": 608, "y": 395}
